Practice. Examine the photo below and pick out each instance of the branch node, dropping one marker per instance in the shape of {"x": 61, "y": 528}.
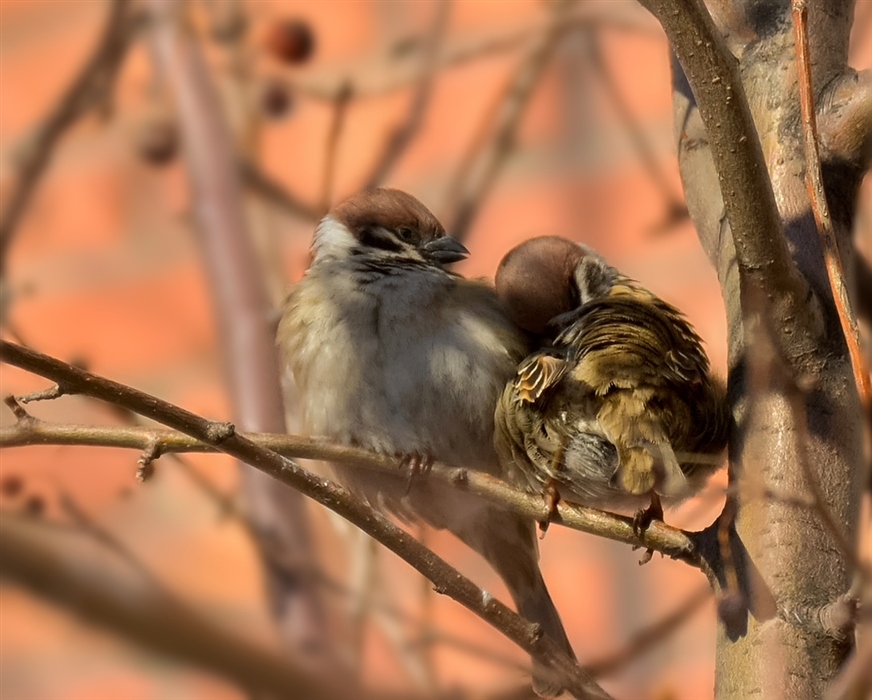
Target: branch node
{"x": 218, "y": 432}
{"x": 459, "y": 477}
{"x": 21, "y": 416}
{"x": 536, "y": 633}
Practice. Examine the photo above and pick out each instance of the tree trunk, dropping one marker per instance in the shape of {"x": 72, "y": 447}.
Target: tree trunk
{"x": 800, "y": 565}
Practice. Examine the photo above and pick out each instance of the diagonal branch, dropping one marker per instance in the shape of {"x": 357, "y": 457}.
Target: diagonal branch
{"x": 495, "y": 141}
{"x": 261, "y": 183}
{"x": 87, "y": 90}
{"x": 763, "y": 258}
{"x": 53, "y": 566}
{"x": 403, "y": 134}
{"x": 223, "y": 437}
{"x": 659, "y": 537}
{"x": 243, "y": 313}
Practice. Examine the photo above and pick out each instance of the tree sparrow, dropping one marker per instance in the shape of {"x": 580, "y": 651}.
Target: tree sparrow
{"x": 619, "y": 407}
{"x": 391, "y": 352}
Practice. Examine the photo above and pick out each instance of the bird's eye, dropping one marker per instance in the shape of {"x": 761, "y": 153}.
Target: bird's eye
{"x": 405, "y": 233}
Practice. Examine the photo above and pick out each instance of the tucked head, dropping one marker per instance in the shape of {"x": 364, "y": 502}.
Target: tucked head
{"x": 390, "y": 224}
{"x": 548, "y": 276}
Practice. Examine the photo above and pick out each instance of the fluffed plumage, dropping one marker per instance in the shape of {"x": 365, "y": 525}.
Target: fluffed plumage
{"x": 391, "y": 352}
{"x": 619, "y": 404}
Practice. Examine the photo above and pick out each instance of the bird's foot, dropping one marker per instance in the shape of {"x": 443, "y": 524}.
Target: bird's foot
{"x": 552, "y": 497}
{"x": 417, "y": 464}
{"x": 642, "y": 521}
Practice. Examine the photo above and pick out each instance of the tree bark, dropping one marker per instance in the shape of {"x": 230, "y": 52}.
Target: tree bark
{"x": 798, "y": 561}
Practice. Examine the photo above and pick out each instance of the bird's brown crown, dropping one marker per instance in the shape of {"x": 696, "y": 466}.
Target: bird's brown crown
{"x": 389, "y": 209}
{"x": 536, "y": 281}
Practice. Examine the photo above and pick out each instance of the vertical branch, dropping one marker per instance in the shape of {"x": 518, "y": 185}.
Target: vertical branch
{"x": 331, "y": 151}
{"x": 403, "y": 134}
{"x": 821, "y": 210}
{"x": 469, "y": 191}
{"x": 243, "y": 316}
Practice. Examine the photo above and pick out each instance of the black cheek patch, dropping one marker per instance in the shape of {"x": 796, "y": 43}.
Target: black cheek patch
{"x": 377, "y": 237}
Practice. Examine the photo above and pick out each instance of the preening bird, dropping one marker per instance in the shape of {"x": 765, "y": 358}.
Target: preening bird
{"x": 619, "y": 406}
{"x": 391, "y": 352}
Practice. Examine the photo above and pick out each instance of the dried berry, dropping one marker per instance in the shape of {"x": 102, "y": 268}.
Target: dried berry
{"x": 276, "y": 99}
{"x": 158, "y": 141}
{"x": 34, "y": 506}
{"x": 290, "y": 40}
{"x": 11, "y": 485}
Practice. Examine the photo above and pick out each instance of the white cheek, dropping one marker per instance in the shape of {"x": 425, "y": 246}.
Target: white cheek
{"x": 332, "y": 239}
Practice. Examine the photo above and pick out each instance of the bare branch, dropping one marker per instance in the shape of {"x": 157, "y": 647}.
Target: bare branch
{"x": 651, "y": 636}
{"x": 331, "y": 152}
{"x": 257, "y": 180}
{"x": 389, "y": 73}
{"x": 446, "y": 579}
{"x": 496, "y": 135}
{"x": 762, "y": 254}
{"x": 243, "y": 312}
{"x": 403, "y": 134}
{"x": 815, "y": 182}
{"x": 659, "y": 536}
{"x": 676, "y": 210}
{"x": 88, "y": 89}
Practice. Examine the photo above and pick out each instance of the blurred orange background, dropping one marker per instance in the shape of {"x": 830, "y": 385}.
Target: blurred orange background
{"x": 105, "y": 271}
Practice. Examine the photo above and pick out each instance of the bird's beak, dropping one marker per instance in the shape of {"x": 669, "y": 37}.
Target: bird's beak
{"x": 444, "y": 250}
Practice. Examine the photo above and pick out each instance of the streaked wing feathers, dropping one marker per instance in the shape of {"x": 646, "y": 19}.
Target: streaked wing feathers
{"x": 538, "y": 374}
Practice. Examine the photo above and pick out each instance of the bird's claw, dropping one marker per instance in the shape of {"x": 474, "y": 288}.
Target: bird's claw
{"x": 552, "y": 497}
{"x": 642, "y": 520}
{"x": 417, "y": 464}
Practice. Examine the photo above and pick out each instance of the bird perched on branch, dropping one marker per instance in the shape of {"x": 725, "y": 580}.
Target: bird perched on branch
{"x": 619, "y": 407}
{"x": 391, "y": 352}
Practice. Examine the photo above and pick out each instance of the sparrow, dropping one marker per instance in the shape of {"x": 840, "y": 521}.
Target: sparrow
{"x": 389, "y": 351}
{"x": 618, "y": 405}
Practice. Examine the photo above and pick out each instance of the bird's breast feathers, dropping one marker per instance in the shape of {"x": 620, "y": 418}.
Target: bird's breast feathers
{"x": 395, "y": 376}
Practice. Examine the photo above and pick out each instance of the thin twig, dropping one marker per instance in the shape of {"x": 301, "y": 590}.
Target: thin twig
{"x": 257, "y": 180}
{"x": 659, "y": 537}
{"x": 644, "y": 640}
{"x": 389, "y": 73}
{"x": 331, "y": 151}
{"x": 472, "y": 185}
{"x": 402, "y": 135}
{"x": 821, "y": 210}
{"x": 88, "y": 89}
{"x": 364, "y": 577}
{"x": 223, "y": 436}
{"x": 676, "y": 210}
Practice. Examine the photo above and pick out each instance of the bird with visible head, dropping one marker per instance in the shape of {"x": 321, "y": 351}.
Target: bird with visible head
{"x": 618, "y": 407}
{"x": 390, "y": 351}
